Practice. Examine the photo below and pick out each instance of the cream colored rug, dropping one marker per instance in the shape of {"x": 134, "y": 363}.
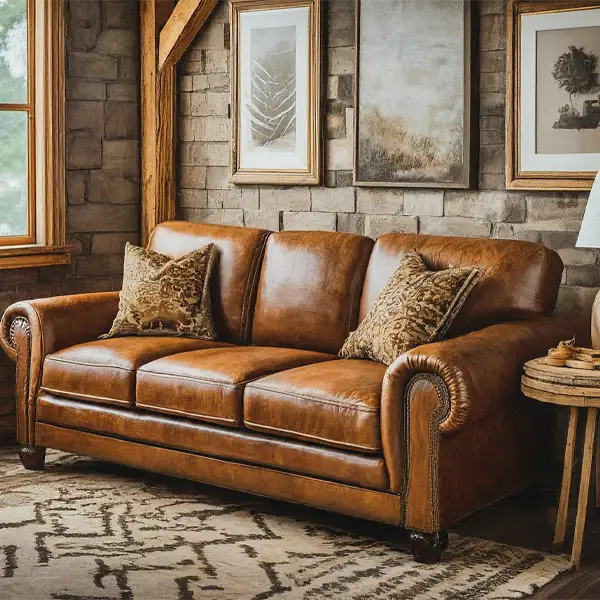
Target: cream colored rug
{"x": 86, "y": 530}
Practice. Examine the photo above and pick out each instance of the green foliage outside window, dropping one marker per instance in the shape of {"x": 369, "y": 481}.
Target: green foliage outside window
{"x": 13, "y": 124}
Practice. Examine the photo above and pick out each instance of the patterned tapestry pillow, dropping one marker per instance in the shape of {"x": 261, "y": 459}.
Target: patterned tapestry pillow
{"x": 417, "y": 306}
{"x": 165, "y": 296}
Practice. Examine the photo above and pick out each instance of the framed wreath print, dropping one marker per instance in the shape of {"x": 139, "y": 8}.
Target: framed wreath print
{"x": 413, "y": 97}
{"x": 276, "y": 91}
{"x": 553, "y": 95}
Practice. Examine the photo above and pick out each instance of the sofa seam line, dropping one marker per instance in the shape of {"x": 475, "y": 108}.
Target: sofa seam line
{"x": 86, "y": 364}
{"x": 434, "y": 418}
{"x": 315, "y": 399}
{"x": 196, "y": 416}
{"x": 312, "y": 437}
{"x": 252, "y": 284}
{"x": 79, "y": 395}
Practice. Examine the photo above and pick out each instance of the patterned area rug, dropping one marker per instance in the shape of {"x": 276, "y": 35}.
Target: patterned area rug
{"x": 87, "y": 530}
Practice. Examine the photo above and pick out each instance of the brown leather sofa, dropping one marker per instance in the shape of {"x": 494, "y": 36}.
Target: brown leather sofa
{"x": 270, "y": 409}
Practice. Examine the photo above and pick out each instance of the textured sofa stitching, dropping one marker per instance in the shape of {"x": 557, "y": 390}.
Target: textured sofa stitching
{"x": 32, "y": 402}
{"x": 76, "y": 395}
{"x": 85, "y": 364}
{"x": 315, "y": 399}
{"x": 29, "y": 432}
{"x": 311, "y": 437}
{"x": 174, "y": 411}
{"x": 435, "y": 419}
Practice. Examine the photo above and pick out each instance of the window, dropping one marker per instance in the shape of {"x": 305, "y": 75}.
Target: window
{"x": 32, "y": 196}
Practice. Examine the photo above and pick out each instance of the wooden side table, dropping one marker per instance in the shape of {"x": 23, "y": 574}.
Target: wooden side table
{"x": 577, "y": 389}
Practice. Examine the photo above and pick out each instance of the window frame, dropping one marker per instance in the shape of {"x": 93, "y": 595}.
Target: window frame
{"x": 45, "y": 243}
{"x": 29, "y": 107}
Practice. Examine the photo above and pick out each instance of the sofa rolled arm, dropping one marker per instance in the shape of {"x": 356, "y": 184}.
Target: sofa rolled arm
{"x": 480, "y": 370}
{"x": 31, "y": 330}
{"x": 59, "y": 322}
{"x": 440, "y": 389}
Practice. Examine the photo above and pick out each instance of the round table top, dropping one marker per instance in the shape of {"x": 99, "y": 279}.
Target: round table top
{"x": 561, "y": 385}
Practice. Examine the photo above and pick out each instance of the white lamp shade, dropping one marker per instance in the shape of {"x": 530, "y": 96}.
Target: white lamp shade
{"x": 589, "y": 234}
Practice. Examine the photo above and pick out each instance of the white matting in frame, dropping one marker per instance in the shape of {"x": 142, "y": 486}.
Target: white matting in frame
{"x": 289, "y": 26}
{"x": 530, "y": 159}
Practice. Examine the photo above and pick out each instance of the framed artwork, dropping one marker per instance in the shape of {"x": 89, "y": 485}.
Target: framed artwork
{"x": 276, "y": 91}
{"x": 553, "y": 95}
{"x": 412, "y": 96}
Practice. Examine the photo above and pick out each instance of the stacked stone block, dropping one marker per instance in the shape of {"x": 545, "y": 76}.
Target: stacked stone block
{"x": 491, "y": 211}
{"x": 102, "y": 137}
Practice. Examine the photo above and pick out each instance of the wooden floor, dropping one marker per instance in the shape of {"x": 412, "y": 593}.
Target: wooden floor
{"x": 528, "y": 521}
{"x": 525, "y": 520}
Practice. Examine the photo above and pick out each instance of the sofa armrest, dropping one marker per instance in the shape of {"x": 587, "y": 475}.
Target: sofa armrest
{"x": 441, "y": 388}
{"x": 29, "y": 331}
{"x": 59, "y": 322}
{"x": 481, "y": 370}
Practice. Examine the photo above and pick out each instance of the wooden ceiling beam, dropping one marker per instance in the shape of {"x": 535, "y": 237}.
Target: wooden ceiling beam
{"x": 183, "y": 25}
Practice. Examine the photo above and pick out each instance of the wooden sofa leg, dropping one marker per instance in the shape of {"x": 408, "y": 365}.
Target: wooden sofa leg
{"x": 427, "y": 548}
{"x": 33, "y": 457}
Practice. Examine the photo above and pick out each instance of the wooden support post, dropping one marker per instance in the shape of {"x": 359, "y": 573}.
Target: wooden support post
{"x": 167, "y": 29}
{"x": 166, "y": 126}
{"x": 157, "y": 97}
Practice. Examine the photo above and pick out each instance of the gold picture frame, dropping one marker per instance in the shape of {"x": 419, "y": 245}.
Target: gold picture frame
{"x": 271, "y": 142}
{"x": 522, "y": 122}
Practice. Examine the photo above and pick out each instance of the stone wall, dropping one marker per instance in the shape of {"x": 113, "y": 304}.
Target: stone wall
{"x": 206, "y": 195}
{"x": 102, "y": 121}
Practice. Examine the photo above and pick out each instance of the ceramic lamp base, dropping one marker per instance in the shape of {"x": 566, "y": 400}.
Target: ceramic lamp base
{"x": 596, "y": 323}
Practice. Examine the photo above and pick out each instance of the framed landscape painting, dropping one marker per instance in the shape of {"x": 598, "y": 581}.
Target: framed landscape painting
{"x": 413, "y": 95}
{"x": 553, "y": 95}
{"x": 276, "y": 91}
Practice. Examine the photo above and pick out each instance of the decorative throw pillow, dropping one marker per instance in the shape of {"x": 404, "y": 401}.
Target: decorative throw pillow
{"x": 417, "y": 306}
{"x": 165, "y": 296}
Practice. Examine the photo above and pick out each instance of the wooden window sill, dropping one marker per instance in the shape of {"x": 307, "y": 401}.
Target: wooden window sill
{"x": 22, "y": 257}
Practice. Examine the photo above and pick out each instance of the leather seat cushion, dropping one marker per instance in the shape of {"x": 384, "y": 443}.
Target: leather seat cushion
{"x": 105, "y": 370}
{"x": 334, "y": 403}
{"x": 209, "y": 384}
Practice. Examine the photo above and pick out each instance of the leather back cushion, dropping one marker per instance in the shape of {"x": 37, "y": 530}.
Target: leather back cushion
{"x": 309, "y": 289}
{"x": 235, "y": 273}
{"x": 521, "y": 279}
